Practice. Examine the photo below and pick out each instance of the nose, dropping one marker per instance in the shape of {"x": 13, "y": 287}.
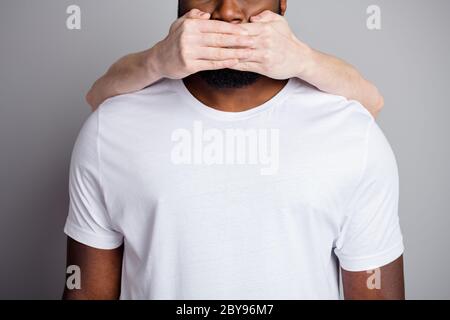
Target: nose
{"x": 228, "y": 11}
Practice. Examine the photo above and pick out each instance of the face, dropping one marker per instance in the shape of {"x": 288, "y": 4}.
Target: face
{"x": 232, "y": 11}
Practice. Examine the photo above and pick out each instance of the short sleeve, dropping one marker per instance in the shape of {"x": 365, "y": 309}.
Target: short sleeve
{"x": 370, "y": 236}
{"x": 88, "y": 221}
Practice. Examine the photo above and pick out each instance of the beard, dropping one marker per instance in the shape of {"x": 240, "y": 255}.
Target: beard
{"x": 228, "y": 78}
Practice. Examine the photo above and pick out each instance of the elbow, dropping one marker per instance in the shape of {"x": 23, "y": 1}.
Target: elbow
{"x": 379, "y": 105}
{"x": 89, "y": 98}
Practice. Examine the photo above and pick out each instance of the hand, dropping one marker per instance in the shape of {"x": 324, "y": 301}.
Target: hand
{"x": 196, "y": 43}
{"x": 276, "y": 52}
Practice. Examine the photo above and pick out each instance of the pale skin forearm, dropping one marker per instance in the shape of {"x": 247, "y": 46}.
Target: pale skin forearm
{"x": 268, "y": 47}
{"x": 329, "y": 74}
{"x": 333, "y": 75}
{"x": 131, "y": 73}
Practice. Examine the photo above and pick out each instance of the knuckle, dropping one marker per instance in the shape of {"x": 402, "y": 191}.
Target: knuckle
{"x": 184, "y": 55}
{"x": 245, "y": 66}
{"x": 194, "y": 11}
{"x": 245, "y": 53}
{"x": 220, "y": 54}
{"x": 186, "y": 66}
{"x": 242, "y": 41}
{"x": 188, "y": 24}
{"x": 183, "y": 28}
{"x": 184, "y": 42}
{"x": 220, "y": 40}
{"x": 190, "y": 69}
{"x": 266, "y": 57}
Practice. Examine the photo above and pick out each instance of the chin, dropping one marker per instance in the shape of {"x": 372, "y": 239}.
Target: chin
{"x": 228, "y": 78}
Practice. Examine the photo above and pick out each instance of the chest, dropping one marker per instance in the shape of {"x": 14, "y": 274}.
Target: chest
{"x": 205, "y": 169}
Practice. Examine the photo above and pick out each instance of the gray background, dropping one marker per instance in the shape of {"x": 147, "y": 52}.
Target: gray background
{"x": 45, "y": 71}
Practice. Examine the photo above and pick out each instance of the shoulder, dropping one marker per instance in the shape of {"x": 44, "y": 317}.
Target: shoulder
{"x": 327, "y": 117}
{"x": 314, "y": 103}
{"x": 124, "y": 109}
{"x": 150, "y": 99}
{"x": 343, "y": 128}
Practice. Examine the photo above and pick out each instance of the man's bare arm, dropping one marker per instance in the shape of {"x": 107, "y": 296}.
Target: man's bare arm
{"x": 363, "y": 285}
{"x": 101, "y": 272}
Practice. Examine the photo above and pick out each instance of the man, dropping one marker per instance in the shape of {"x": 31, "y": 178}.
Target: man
{"x": 230, "y": 184}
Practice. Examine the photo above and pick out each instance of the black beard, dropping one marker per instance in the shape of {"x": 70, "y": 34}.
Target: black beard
{"x": 228, "y": 78}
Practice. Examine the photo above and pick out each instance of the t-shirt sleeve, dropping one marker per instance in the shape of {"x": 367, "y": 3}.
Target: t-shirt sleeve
{"x": 88, "y": 221}
{"x": 370, "y": 236}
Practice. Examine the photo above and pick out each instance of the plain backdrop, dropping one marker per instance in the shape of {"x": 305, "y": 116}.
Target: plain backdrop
{"x": 46, "y": 70}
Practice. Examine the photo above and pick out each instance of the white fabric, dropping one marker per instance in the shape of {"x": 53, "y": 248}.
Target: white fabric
{"x": 208, "y": 229}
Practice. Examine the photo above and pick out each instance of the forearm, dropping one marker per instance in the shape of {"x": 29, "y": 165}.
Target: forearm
{"x": 129, "y": 74}
{"x": 335, "y": 76}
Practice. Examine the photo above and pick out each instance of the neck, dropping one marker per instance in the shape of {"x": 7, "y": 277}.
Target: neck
{"x": 234, "y": 100}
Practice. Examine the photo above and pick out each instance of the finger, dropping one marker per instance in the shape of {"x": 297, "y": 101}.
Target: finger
{"x": 226, "y": 40}
{"x": 201, "y": 65}
{"x": 248, "y": 66}
{"x": 219, "y": 54}
{"x": 192, "y": 14}
{"x": 255, "y": 55}
{"x": 216, "y": 26}
{"x": 266, "y": 16}
{"x": 196, "y": 14}
{"x": 255, "y": 28}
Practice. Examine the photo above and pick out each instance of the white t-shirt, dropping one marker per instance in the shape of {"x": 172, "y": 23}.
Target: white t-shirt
{"x": 260, "y": 204}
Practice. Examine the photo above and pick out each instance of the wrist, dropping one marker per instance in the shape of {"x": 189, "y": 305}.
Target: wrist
{"x": 308, "y": 62}
{"x": 150, "y": 62}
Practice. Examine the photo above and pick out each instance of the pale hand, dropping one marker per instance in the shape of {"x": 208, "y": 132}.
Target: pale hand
{"x": 196, "y": 43}
{"x": 276, "y": 52}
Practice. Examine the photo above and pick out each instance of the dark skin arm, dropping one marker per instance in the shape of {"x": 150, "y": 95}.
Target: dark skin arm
{"x": 101, "y": 276}
{"x": 392, "y": 283}
{"x": 101, "y": 272}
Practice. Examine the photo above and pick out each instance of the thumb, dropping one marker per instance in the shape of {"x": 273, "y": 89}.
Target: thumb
{"x": 193, "y": 14}
{"x": 265, "y": 16}
{"x": 197, "y": 14}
